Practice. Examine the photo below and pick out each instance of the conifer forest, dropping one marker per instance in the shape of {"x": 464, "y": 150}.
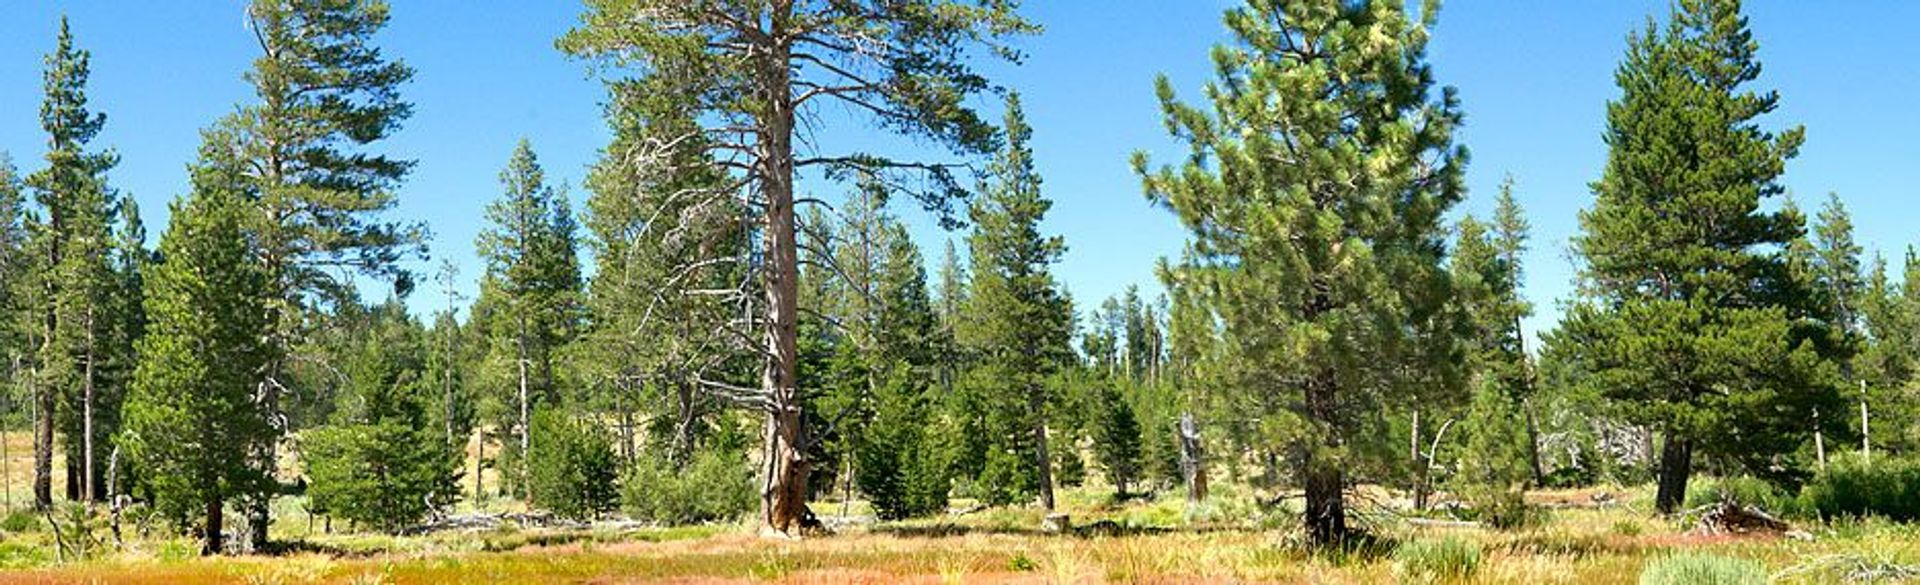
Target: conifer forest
{"x": 744, "y": 347}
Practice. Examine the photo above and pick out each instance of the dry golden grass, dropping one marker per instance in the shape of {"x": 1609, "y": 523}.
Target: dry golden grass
{"x": 1227, "y": 541}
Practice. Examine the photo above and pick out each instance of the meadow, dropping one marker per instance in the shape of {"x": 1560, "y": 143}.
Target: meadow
{"x": 1594, "y": 535}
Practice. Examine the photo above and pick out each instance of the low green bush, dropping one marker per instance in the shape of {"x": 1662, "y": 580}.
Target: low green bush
{"x": 1741, "y": 490}
{"x": 1501, "y": 509}
{"x": 1855, "y": 487}
{"x": 715, "y": 486}
{"x": 1700, "y": 569}
{"x": 572, "y": 469}
{"x": 19, "y": 521}
{"x": 1445, "y": 559}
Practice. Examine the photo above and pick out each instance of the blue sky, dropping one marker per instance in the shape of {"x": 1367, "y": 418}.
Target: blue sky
{"x": 1534, "y": 77}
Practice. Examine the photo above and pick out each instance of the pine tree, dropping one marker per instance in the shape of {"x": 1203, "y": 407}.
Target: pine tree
{"x": 191, "y": 421}
{"x": 1314, "y": 190}
{"x": 665, "y": 233}
{"x": 1018, "y": 323}
{"x": 533, "y": 268}
{"x": 75, "y": 239}
{"x": 326, "y": 95}
{"x": 764, "y": 67}
{"x": 1687, "y": 322}
{"x": 379, "y": 462}
{"x": 902, "y": 468}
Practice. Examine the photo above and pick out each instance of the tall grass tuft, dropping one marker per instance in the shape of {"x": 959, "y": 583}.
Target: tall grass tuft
{"x": 1700, "y": 569}
{"x": 1430, "y": 561}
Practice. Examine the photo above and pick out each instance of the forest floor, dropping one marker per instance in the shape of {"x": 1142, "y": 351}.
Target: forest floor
{"x": 1584, "y": 536}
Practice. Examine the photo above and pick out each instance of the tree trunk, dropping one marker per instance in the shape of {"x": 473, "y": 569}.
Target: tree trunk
{"x": 213, "y": 536}
{"x": 1533, "y": 444}
{"x": 87, "y": 473}
{"x": 479, "y": 456}
{"x": 1419, "y": 467}
{"x": 1323, "y": 478}
{"x": 1326, "y": 514}
{"x": 1676, "y": 466}
{"x": 1045, "y": 464}
{"x": 526, "y": 414}
{"x": 783, "y": 499}
{"x": 1192, "y": 459}
{"x": 42, "y": 445}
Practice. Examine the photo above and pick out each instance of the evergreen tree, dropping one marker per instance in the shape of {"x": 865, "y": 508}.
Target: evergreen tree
{"x": 1688, "y": 322}
{"x": 379, "y": 463}
{"x": 663, "y": 232}
{"x": 902, "y": 469}
{"x": 1018, "y": 323}
{"x": 75, "y": 239}
{"x": 326, "y": 95}
{"x": 1116, "y": 439}
{"x": 192, "y": 421}
{"x": 533, "y": 275}
{"x": 750, "y": 72}
{"x": 1314, "y": 190}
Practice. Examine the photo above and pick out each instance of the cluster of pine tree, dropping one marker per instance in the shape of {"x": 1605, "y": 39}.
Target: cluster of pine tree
{"x": 1328, "y": 325}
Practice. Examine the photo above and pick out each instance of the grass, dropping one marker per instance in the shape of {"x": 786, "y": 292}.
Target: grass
{"x": 1595, "y": 535}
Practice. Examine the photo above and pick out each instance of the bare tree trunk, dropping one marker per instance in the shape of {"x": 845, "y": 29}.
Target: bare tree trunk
{"x": 1676, "y": 465}
{"x": 479, "y": 456}
{"x": 87, "y": 473}
{"x": 1192, "y": 459}
{"x": 213, "y": 528}
{"x": 526, "y": 413}
{"x": 1413, "y": 458}
{"x": 783, "y": 505}
{"x": 42, "y": 444}
{"x": 1533, "y": 443}
{"x": 1819, "y": 441}
{"x": 1037, "y": 402}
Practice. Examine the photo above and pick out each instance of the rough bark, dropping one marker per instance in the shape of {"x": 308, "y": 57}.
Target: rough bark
{"x": 783, "y": 498}
{"x": 1323, "y": 478}
{"x": 1676, "y": 467}
{"x": 212, "y": 538}
{"x": 1192, "y": 459}
{"x": 1042, "y": 458}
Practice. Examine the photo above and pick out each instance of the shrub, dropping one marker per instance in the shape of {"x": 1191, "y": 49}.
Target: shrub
{"x": 1698, "y": 569}
{"x": 1850, "y": 486}
{"x": 714, "y": 486}
{"x": 572, "y": 469}
{"x": 1502, "y": 509}
{"x": 385, "y": 475}
{"x": 1446, "y": 559}
{"x": 19, "y": 521}
{"x": 1741, "y": 490}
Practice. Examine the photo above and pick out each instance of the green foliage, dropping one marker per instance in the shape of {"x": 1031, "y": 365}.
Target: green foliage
{"x": 1435, "y": 560}
{"x": 1116, "y": 439}
{"x": 1504, "y": 509}
{"x": 715, "y": 486}
{"x": 1321, "y": 264}
{"x": 1018, "y": 323}
{"x": 386, "y": 475}
{"x": 572, "y": 470}
{"x": 1741, "y": 490}
{"x": 901, "y": 469}
{"x": 1689, "y": 321}
{"x": 193, "y": 421}
{"x": 1702, "y": 569}
{"x": 1850, "y": 486}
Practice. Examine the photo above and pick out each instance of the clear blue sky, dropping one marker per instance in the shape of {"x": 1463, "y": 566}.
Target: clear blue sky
{"x": 1534, "y": 77}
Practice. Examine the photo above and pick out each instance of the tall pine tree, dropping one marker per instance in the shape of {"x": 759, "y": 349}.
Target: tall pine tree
{"x": 1314, "y": 190}
{"x": 193, "y": 421}
{"x": 751, "y": 72}
{"x": 1688, "y": 320}
{"x": 1019, "y": 324}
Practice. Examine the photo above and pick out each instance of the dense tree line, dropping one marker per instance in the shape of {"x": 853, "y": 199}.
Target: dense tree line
{"x": 759, "y": 328}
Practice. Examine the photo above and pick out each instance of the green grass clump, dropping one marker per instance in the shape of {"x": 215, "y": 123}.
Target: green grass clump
{"x": 19, "y": 521}
{"x": 1445, "y": 559}
{"x": 1701, "y": 569}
